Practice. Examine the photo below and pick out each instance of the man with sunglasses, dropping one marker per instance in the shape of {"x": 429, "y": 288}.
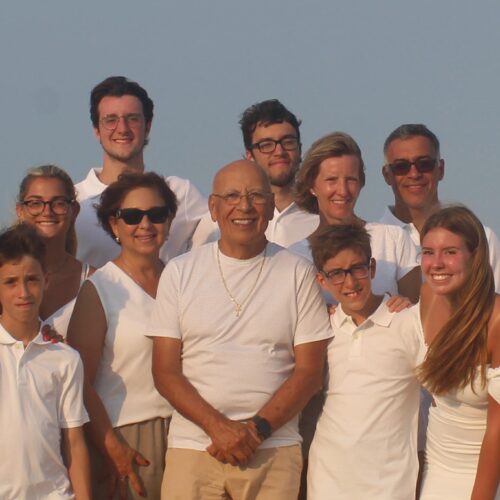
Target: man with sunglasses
{"x": 271, "y": 136}
{"x": 122, "y": 113}
{"x": 413, "y": 168}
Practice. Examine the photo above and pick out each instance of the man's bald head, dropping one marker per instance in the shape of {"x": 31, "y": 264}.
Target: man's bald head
{"x": 240, "y": 168}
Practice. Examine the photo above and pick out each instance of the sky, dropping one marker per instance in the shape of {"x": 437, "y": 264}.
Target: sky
{"x": 362, "y": 67}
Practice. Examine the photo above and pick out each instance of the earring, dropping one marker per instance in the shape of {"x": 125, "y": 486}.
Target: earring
{"x": 117, "y": 239}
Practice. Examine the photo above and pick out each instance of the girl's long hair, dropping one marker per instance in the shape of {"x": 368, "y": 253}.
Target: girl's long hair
{"x": 460, "y": 347}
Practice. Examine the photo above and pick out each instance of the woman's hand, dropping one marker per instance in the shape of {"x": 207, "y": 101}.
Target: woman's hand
{"x": 398, "y": 303}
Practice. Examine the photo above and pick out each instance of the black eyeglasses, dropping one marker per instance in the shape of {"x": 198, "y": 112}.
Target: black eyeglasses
{"x": 110, "y": 122}
{"x": 288, "y": 143}
{"x": 59, "y": 206}
{"x": 133, "y": 216}
{"x": 338, "y": 276}
{"x": 423, "y": 165}
{"x": 254, "y": 198}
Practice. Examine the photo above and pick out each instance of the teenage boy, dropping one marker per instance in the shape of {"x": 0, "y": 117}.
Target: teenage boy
{"x": 365, "y": 444}
{"x": 40, "y": 386}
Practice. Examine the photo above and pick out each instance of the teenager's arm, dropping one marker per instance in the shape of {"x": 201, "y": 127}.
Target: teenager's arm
{"x": 77, "y": 460}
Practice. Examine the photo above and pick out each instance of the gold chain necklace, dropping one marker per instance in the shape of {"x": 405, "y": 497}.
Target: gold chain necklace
{"x": 238, "y": 307}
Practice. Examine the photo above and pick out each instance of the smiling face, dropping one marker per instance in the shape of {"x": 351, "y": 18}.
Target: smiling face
{"x": 280, "y": 165}
{"x": 242, "y": 226}
{"x": 144, "y": 238}
{"x": 22, "y": 284}
{"x": 49, "y": 225}
{"x": 126, "y": 142}
{"x": 337, "y": 187}
{"x": 414, "y": 190}
{"x": 354, "y": 294}
{"x": 446, "y": 261}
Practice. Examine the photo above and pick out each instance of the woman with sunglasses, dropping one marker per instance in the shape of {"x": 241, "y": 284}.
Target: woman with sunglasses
{"x": 127, "y": 415}
{"x": 329, "y": 182}
{"x": 460, "y": 316}
{"x": 47, "y": 201}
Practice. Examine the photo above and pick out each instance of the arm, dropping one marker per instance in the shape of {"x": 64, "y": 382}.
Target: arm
{"x": 235, "y": 441}
{"x": 488, "y": 469}
{"x": 86, "y": 333}
{"x": 77, "y": 461}
{"x": 409, "y": 285}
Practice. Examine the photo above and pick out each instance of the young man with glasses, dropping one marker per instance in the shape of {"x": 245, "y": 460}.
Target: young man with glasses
{"x": 413, "y": 168}
{"x": 365, "y": 445}
{"x": 122, "y": 113}
{"x": 271, "y": 137}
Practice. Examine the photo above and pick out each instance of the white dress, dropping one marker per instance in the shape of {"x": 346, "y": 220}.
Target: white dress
{"x": 456, "y": 429}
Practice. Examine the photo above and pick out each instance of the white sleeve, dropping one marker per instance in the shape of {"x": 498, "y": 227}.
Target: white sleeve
{"x": 194, "y": 205}
{"x": 206, "y": 231}
{"x": 406, "y": 253}
{"x": 72, "y": 412}
{"x": 494, "y": 250}
{"x": 165, "y": 318}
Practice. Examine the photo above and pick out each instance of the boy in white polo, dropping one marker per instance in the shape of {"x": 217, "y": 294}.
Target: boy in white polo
{"x": 365, "y": 445}
{"x": 40, "y": 386}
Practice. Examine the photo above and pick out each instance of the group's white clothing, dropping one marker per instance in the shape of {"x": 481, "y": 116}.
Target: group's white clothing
{"x": 97, "y": 247}
{"x": 124, "y": 380}
{"x": 393, "y": 250}
{"x": 286, "y": 228}
{"x": 59, "y": 320}
{"x": 237, "y": 363}
{"x": 457, "y": 424}
{"x": 493, "y": 243}
{"x": 365, "y": 445}
{"x": 41, "y": 390}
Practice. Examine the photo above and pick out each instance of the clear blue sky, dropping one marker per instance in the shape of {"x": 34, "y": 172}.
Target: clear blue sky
{"x": 363, "y": 67}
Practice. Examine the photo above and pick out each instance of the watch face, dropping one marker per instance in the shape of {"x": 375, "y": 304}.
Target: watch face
{"x": 263, "y": 426}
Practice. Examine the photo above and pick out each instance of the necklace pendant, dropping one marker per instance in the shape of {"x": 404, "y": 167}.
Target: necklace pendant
{"x": 238, "y": 310}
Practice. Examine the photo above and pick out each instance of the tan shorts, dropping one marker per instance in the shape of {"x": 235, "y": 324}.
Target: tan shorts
{"x": 272, "y": 474}
{"x": 150, "y": 439}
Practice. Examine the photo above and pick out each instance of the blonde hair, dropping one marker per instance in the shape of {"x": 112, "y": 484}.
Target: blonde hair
{"x": 460, "y": 346}
{"x": 52, "y": 172}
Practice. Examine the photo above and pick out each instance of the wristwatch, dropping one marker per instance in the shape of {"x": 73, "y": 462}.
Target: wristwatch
{"x": 263, "y": 426}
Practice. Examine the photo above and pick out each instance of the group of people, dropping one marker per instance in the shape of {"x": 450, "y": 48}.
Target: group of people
{"x": 268, "y": 344}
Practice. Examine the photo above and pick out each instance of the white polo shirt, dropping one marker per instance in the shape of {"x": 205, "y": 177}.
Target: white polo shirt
{"x": 97, "y": 247}
{"x": 41, "y": 393}
{"x": 286, "y": 228}
{"x": 237, "y": 363}
{"x": 493, "y": 243}
{"x": 365, "y": 445}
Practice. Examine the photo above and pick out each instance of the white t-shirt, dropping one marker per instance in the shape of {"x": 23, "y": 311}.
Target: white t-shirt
{"x": 237, "y": 363}
{"x": 493, "y": 244}
{"x": 365, "y": 445}
{"x": 97, "y": 247}
{"x": 286, "y": 228}
{"x": 392, "y": 248}
{"x": 41, "y": 389}
{"x": 124, "y": 380}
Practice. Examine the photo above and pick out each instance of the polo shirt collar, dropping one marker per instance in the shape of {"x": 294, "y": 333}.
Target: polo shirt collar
{"x": 381, "y": 316}
{"x": 7, "y": 339}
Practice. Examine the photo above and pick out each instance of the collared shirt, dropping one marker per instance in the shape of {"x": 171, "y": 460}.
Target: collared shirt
{"x": 41, "y": 393}
{"x": 286, "y": 227}
{"x": 97, "y": 247}
{"x": 365, "y": 444}
{"x": 409, "y": 227}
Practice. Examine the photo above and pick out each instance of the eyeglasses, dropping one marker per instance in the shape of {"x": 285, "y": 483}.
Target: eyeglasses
{"x": 58, "y": 206}
{"x": 288, "y": 143}
{"x": 133, "y": 216}
{"x": 423, "y": 165}
{"x": 132, "y": 120}
{"x": 338, "y": 276}
{"x": 254, "y": 198}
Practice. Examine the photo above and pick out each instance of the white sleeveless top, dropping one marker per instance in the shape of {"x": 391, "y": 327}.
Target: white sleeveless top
{"x": 59, "y": 320}
{"x": 124, "y": 380}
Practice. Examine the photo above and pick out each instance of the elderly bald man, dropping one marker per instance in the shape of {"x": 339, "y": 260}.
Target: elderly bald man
{"x": 240, "y": 332}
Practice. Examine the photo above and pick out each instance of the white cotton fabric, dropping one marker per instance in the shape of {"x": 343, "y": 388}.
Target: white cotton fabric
{"x": 97, "y": 247}
{"x": 393, "y": 250}
{"x": 41, "y": 393}
{"x": 237, "y": 363}
{"x": 493, "y": 243}
{"x": 365, "y": 445}
{"x": 124, "y": 380}
{"x": 286, "y": 228}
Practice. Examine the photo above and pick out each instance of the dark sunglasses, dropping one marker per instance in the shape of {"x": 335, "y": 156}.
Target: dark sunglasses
{"x": 132, "y": 216}
{"x": 423, "y": 166}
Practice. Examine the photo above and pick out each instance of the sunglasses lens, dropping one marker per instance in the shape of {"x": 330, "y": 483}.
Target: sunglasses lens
{"x": 401, "y": 167}
{"x": 157, "y": 215}
{"x": 131, "y": 216}
{"x": 424, "y": 165}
